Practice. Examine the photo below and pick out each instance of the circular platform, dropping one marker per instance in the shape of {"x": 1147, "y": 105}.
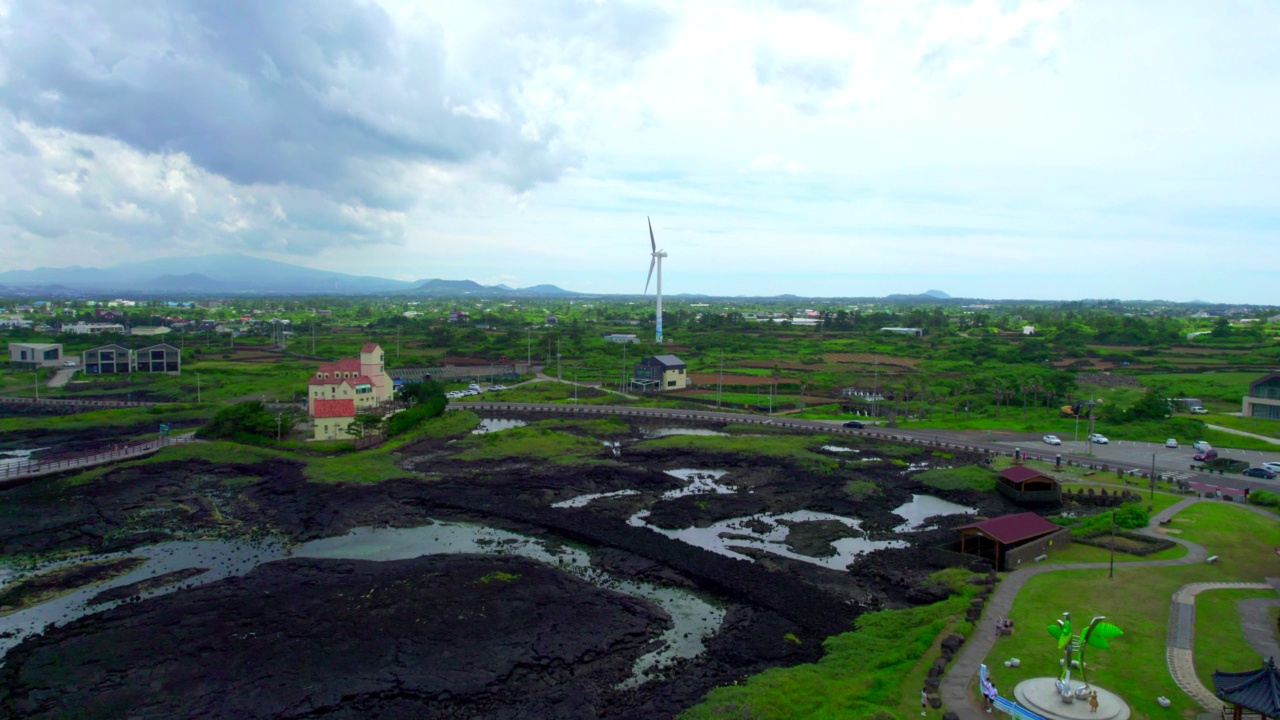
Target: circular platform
{"x": 1040, "y": 695}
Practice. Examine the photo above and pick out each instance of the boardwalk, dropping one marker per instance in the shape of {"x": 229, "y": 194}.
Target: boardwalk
{"x": 17, "y": 469}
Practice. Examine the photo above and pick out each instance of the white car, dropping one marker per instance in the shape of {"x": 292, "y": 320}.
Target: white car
{"x": 1171, "y": 443}
{"x": 1052, "y": 440}
{"x": 68, "y": 363}
{"x": 1272, "y": 466}
{"x": 1199, "y": 411}
{"x": 1202, "y": 446}
{"x": 497, "y": 387}
{"x": 1098, "y": 439}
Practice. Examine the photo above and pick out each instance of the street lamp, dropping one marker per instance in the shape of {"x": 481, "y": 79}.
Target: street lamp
{"x": 279, "y": 418}
{"x": 1153, "y": 477}
{"x": 197, "y": 387}
{"x": 37, "y": 374}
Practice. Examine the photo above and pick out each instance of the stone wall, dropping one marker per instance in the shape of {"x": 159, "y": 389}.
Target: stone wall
{"x": 1027, "y": 554}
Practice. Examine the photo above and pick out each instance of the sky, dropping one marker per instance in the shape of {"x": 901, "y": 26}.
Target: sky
{"x": 1039, "y": 149}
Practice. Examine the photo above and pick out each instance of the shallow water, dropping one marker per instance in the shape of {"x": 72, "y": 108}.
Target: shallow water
{"x": 488, "y": 425}
{"x": 16, "y": 458}
{"x": 223, "y": 558}
{"x": 923, "y": 507}
{"x": 839, "y": 449}
{"x": 583, "y": 500}
{"x": 773, "y": 540}
{"x": 694, "y": 619}
{"x": 665, "y": 431}
{"x": 700, "y": 482}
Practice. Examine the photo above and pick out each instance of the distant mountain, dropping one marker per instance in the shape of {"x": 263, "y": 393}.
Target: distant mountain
{"x": 229, "y": 273}
{"x": 470, "y": 288}
{"x": 937, "y": 294}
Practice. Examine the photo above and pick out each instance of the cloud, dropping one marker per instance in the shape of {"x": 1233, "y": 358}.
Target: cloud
{"x": 773, "y": 163}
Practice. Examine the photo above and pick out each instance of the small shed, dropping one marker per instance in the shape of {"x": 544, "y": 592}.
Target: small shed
{"x": 1010, "y": 540}
{"x": 1249, "y": 695}
{"x": 1026, "y": 486}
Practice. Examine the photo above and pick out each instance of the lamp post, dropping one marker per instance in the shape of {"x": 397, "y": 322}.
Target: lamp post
{"x": 1112, "y": 571}
{"x": 197, "y": 387}
{"x": 279, "y": 418}
{"x": 37, "y": 375}
{"x": 1153, "y": 476}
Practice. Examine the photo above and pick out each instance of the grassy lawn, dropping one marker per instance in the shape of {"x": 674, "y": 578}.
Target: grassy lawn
{"x": 968, "y": 477}
{"x": 1257, "y": 426}
{"x": 1220, "y": 641}
{"x": 115, "y": 416}
{"x": 1137, "y": 599}
{"x": 531, "y": 443}
{"x": 1077, "y": 553}
{"x": 800, "y": 449}
{"x": 876, "y": 670}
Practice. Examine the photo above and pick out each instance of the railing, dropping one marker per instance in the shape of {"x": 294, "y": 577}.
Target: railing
{"x": 60, "y": 463}
{"x": 1006, "y": 705}
{"x": 78, "y": 403}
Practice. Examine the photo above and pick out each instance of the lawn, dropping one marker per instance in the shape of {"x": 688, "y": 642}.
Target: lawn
{"x": 531, "y": 443}
{"x": 1136, "y": 599}
{"x": 1077, "y": 553}
{"x": 873, "y": 671}
{"x": 1219, "y": 642}
{"x": 800, "y": 449}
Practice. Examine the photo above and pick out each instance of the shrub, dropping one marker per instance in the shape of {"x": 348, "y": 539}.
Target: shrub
{"x": 1265, "y": 498}
{"x": 243, "y": 422}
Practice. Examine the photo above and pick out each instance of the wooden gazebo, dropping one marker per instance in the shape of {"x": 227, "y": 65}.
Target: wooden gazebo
{"x": 1026, "y": 486}
{"x": 1249, "y": 695}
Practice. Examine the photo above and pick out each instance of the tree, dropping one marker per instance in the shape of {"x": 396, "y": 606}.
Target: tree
{"x": 365, "y": 424}
{"x": 243, "y": 422}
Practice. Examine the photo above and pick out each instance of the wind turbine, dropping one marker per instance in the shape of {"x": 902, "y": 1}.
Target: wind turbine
{"x": 656, "y": 259}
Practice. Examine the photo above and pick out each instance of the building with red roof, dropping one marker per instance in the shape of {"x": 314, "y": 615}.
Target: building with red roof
{"x": 1026, "y": 486}
{"x": 360, "y": 381}
{"x": 1010, "y": 540}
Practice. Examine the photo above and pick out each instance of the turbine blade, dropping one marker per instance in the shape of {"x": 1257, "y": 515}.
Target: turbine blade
{"x": 652, "y": 261}
{"x": 653, "y": 243}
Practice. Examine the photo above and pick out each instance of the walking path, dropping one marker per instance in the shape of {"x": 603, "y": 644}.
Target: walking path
{"x": 15, "y": 471}
{"x": 963, "y": 670}
{"x": 1242, "y": 432}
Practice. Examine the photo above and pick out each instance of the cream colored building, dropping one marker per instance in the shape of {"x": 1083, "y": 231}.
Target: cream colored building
{"x": 363, "y": 381}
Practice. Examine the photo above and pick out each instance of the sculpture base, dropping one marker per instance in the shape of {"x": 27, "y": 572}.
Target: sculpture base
{"x": 1040, "y": 695}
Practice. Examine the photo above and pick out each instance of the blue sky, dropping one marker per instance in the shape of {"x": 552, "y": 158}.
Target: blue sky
{"x": 1007, "y": 149}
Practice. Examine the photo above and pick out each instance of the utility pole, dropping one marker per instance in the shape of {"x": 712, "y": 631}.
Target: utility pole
{"x": 575, "y": 387}
{"x": 1153, "y": 476}
{"x": 197, "y": 387}
{"x": 37, "y": 374}
{"x": 528, "y": 350}
{"x": 397, "y": 341}
{"x": 720, "y": 385}
{"x": 1112, "y": 572}
{"x": 559, "y": 375}
{"x": 279, "y": 419}
{"x": 313, "y": 336}
{"x": 623, "y": 383}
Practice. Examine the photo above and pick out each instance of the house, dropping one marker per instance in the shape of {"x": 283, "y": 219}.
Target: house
{"x": 459, "y": 316}
{"x": 11, "y": 322}
{"x": 1010, "y": 540}
{"x": 1263, "y": 398}
{"x": 35, "y": 355}
{"x": 82, "y": 328}
{"x": 161, "y": 357}
{"x": 332, "y": 418}
{"x": 552, "y": 320}
{"x": 913, "y": 332}
{"x": 660, "y": 373}
{"x": 1028, "y": 329}
{"x": 363, "y": 380}
{"x": 107, "y": 360}
{"x": 621, "y": 338}
{"x": 1026, "y": 486}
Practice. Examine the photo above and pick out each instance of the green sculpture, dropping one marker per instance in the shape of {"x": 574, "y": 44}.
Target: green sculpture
{"x": 1073, "y": 647}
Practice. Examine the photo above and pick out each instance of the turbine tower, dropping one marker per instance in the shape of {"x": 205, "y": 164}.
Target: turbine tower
{"x": 656, "y": 259}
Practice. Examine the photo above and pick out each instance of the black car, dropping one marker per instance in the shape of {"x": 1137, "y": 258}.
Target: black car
{"x": 1260, "y": 473}
{"x": 854, "y": 424}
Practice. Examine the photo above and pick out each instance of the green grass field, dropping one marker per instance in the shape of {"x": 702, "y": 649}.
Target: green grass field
{"x": 1219, "y": 640}
{"x": 1137, "y": 599}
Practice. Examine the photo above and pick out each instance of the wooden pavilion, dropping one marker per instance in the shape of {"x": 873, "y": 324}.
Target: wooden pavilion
{"x": 1026, "y": 486}
{"x": 1010, "y": 540}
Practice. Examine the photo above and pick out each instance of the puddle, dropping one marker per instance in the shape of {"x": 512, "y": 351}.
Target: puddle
{"x": 615, "y": 447}
{"x": 746, "y": 533}
{"x": 582, "y": 500}
{"x": 838, "y": 449}
{"x": 17, "y": 458}
{"x": 223, "y": 558}
{"x": 693, "y": 618}
{"x": 923, "y": 507}
{"x": 488, "y": 425}
{"x": 664, "y": 432}
{"x": 700, "y": 482}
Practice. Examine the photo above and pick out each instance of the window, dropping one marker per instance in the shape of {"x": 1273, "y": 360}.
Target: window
{"x": 671, "y": 383}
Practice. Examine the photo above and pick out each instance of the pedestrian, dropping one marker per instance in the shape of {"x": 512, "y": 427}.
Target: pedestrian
{"x": 924, "y": 702}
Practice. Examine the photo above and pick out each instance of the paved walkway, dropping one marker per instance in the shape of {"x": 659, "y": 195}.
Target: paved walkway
{"x": 1181, "y": 642}
{"x": 16, "y": 472}
{"x": 1259, "y": 631}
{"x": 964, "y": 669}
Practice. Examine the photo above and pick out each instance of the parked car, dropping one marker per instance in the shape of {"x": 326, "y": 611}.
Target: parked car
{"x": 1206, "y": 455}
{"x": 1201, "y": 445}
{"x": 1052, "y": 440}
{"x": 855, "y": 424}
{"x": 1272, "y": 466}
{"x": 1171, "y": 443}
{"x": 1099, "y": 439}
{"x": 1199, "y": 411}
{"x": 497, "y": 387}
{"x": 1260, "y": 472}
{"x": 68, "y": 363}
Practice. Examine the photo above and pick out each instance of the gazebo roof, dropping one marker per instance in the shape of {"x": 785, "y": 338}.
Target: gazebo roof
{"x": 1257, "y": 690}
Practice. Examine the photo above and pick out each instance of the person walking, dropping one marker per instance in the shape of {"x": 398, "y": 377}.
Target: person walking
{"x": 924, "y": 702}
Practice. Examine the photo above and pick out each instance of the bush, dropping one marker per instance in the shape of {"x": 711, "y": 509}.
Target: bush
{"x": 1265, "y": 498}
{"x": 243, "y": 422}
{"x": 428, "y": 401}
